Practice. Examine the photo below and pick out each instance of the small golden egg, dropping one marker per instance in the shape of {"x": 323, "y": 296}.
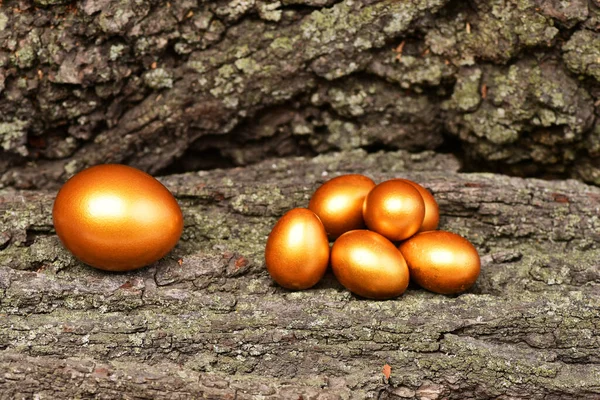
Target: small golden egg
{"x": 368, "y": 264}
{"x": 338, "y": 203}
{"x": 297, "y": 252}
{"x": 432, "y": 210}
{"x": 394, "y": 209}
{"x": 442, "y": 262}
{"x": 116, "y": 218}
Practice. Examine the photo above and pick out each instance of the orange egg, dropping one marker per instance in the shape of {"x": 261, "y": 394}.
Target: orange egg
{"x": 116, "y": 218}
{"x": 369, "y": 265}
{"x": 432, "y": 211}
{"x": 394, "y": 209}
{"x": 442, "y": 262}
{"x": 297, "y": 252}
{"x": 338, "y": 203}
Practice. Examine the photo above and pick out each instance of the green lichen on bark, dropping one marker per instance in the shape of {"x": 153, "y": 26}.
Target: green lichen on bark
{"x": 582, "y": 53}
{"x": 208, "y": 321}
{"x": 508, "y": 126}
{"x": 148, "y": 83}
{"x": 162, "y": 80}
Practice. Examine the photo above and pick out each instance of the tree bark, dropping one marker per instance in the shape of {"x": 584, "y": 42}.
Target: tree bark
{"x": 177, "y": 86}
{"x": 208, "y": 322}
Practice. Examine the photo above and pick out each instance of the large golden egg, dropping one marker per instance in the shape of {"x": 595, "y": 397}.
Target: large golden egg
{"x": 116, "y": 218}
{"x": 442, "y": 262}
{"x": 369, "y": 265}
{"x": 394, "y": 209}
{"x": 297, "y": 252}
{"x": 338, "y": 203}
{"x": 432, "y": 210}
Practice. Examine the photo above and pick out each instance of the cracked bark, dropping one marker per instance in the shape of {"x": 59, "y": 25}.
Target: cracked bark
{"x": 510, "y": 86}
{"x": 217, "y": 326}
{"x": 162, "y": 86}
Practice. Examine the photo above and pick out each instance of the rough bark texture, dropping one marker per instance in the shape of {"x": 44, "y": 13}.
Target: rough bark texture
{"x": 165, "y": 86}
{"x": 506, "y": 85}
{"x": 208, "y": 322}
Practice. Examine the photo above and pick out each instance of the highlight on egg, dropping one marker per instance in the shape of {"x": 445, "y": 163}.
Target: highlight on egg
{"x": 369, "y": 265}
{"x": 297, "y": 251}
{"x": 441, "y": 262}
{"x": 394, "y": 209}
{"x": 116, "y": 218}
{"x": 432, "y": 210}
{"x": 339, "y": 201}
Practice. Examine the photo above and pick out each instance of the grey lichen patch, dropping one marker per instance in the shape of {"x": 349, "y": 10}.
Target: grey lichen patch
{"x": 384, "y": 117}
{"x": 568, "y": 13}
{"x": 118, "y": 15}
{"x": 51, "y": 2}
{"x": 116, "y": 51}
{"x": 562, "y": 109}
{"x": 343, "y": 135}
{"x": 411, "y": 71}
{"x": 496, "y": 32}
{"x": 582, "y": 53}
{"x": 351, "y": 103}
{"x": 158, "y": 78}
{"x": 247, "y": 65}
{"x": 26, "y": 54}
{"x": 362, "y": 43}
{"x": 265, "y": 199}
{"x": 330, "y": 25}
{"x": 223, "y": 84}
{"x": 269, "y": 10}
{"x": 3, "y": 21}
{"x": 71, "y": 168}
{"x": 285, "y": 44}
{"x": 535, "y": 30}
{"x": 13, "y": 136}
{"x": 235, "y": 9}
{"x": 467, "y": 94}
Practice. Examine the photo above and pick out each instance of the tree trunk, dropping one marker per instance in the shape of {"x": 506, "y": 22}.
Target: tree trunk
{"x": 208, "y": 321}
{"x": 421, "y": 89}
{"x": 510, "y": 86}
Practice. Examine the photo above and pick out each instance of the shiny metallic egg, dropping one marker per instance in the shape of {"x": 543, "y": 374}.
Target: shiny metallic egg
{"x": 297, "y": 251}
{"x": 442, "y": 262}
{"x": 395, "y": 209}
{"x": 116, "y": 218}
{"x": 369, "y": 265}
{"x": 339, "y": 201}
{"x": 432, "y": 210}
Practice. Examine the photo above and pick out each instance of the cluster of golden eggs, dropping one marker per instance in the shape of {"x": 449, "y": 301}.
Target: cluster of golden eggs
{"x": 401, "y": 242}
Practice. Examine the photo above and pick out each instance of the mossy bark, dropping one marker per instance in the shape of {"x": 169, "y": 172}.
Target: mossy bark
{"x": 208, "y": 322}
{"x": 510, "y": 86}
{"x": 166, "y": 86}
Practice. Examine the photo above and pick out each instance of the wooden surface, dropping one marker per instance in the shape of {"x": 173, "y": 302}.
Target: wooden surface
{"x": 208, "y": 322}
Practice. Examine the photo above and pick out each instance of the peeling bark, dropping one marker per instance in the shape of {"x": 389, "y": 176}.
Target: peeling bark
{"x": 215, "y": 325}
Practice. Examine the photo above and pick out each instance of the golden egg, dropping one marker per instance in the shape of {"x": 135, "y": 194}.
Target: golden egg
{"x": 394, "y": 209}
{"x": 338, "y": 203}
{"x": 116, "y": 218}
{"x": 368, "y": 264}
{"x": 442, "y": 262}
{"x": 432, "y": 210}
{"x": 297, "y": 252}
